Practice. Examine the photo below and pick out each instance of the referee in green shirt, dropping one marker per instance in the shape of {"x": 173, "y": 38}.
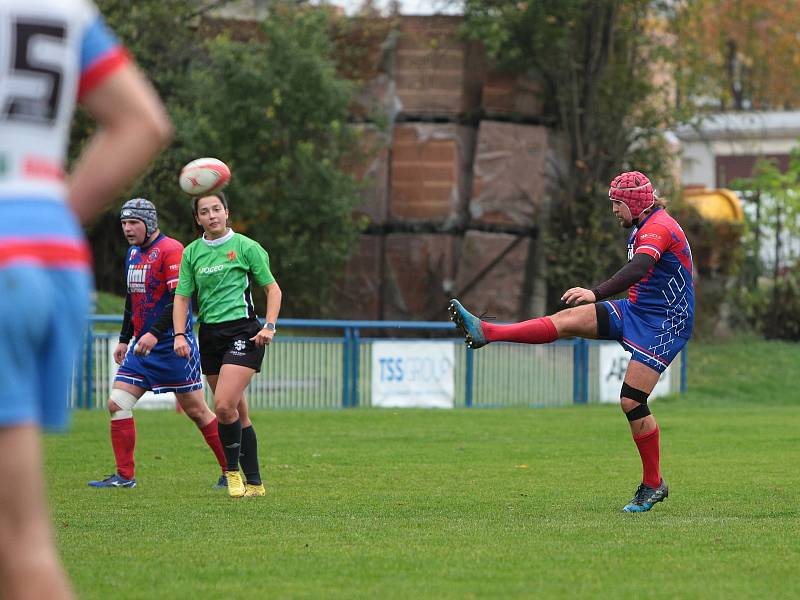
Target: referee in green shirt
{"x": 220, "y": 267}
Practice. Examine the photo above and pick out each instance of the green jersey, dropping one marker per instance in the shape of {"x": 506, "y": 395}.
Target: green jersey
{"x": 220, "y": 271}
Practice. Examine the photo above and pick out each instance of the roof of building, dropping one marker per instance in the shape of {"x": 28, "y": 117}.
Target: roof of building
{"x": 739, "y": 125}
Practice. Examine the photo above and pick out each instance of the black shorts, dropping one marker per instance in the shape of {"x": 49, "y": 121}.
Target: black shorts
{"x": 228, "y": 343}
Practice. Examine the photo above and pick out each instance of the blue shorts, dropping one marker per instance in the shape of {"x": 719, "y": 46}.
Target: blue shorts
{"x": 162, "y": 370}
{"x": 42, "y": 325}
{"x": 650, "y": 339}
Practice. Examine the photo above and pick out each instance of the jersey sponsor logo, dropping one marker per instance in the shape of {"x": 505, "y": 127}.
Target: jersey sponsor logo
{"x": 653, "y": 236}
{"x": 210, "y": 270}
{"x": 137, "y": 278}
{"x": 174, "y": 267}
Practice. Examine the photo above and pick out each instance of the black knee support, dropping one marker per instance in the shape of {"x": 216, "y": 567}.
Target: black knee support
{"x": 634, "y": 394}
{"x": 641, "y": 411}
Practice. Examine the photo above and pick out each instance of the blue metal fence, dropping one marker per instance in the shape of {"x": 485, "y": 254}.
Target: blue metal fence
{"x": 319, "y": 370}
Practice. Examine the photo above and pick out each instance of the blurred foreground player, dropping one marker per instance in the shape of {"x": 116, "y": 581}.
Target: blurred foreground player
{"x": 52, "y": 53}
{"x": 654, "y": 323}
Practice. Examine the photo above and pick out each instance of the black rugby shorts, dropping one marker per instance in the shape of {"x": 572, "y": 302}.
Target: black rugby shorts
{"x": 228, "y": 343}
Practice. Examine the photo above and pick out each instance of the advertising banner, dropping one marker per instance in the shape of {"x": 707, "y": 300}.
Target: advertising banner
{"x": 613, "y": 363}
{"x": 409, "y": 374}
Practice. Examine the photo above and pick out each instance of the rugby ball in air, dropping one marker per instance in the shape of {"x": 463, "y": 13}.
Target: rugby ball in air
{"x": 204, "y": 176}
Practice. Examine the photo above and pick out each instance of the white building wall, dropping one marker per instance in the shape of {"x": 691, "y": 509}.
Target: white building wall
{"x": 734, "y": 134}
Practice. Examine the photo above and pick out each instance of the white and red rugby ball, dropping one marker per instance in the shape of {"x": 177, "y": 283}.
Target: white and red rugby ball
{"x": 204, "y": 176}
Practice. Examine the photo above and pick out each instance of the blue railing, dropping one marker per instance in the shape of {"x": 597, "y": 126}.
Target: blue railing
{"x": 323, "y": 371}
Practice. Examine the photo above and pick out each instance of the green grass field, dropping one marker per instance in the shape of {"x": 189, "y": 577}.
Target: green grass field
{"x": 504, "y": 503}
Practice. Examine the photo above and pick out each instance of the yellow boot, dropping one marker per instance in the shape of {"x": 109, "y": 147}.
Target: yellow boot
{"x": 235, "y": 484}
{"x": 253, "y": 491}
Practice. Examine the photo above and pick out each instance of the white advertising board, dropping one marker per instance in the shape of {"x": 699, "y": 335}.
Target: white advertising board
{"x": 413, "y": 374}
{"x": 613, "y": 363}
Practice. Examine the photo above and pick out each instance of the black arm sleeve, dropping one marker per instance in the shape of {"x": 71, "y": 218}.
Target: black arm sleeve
{"x": 164, "y": 320}
{"x": 126, "y": 333}
{"x": 625, "y": 277}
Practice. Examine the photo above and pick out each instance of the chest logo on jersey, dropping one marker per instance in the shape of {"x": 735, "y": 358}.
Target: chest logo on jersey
{"x": 231, "y": 255}
{"x": 651, "y": 236}
{"x": 153, "y": 255}
{"x": 210, "y": 270}
{"x": 137, "y": 278}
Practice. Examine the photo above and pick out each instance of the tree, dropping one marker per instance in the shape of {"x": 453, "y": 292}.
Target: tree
{"x": 737, "y": 54}
{"x": 594, "y": 59}
{"x": 278, "y": 113}
{"x": 776, "y": 306}
{"x": 273, "y": 108}
{"x": 165, "y": 59}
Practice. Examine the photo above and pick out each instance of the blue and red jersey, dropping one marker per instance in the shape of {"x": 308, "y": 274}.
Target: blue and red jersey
{"x": 667, "y": 291}
{"x": 153, "y": 272}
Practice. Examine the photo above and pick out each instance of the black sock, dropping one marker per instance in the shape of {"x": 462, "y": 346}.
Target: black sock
{"x": 231, "y": 437}
{"x": 249, "y": 456}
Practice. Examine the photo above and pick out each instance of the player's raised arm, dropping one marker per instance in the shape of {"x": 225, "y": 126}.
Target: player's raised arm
{"x": 133, "y": 127}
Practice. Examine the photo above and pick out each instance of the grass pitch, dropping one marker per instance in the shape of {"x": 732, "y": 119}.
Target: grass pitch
{"x": 506, "y": 503}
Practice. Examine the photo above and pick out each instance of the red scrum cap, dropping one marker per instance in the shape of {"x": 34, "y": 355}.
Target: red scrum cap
{"x": 635, "y": 190}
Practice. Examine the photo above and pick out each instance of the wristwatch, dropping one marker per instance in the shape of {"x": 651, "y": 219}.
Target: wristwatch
{"x": 269, "y": 326}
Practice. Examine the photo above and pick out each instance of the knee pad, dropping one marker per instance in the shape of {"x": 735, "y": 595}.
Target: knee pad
{"x": 641, "y": 411}
{"x": 126, "y": 401}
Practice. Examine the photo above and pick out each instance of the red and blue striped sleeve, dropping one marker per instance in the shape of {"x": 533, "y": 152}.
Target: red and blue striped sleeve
{"x": 101, "y": 55}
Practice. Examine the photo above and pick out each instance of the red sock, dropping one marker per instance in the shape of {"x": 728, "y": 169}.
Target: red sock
{"x": 535, "y": 331}
{"x": 648, "y": 445}
{"x": 123, "y": 440}
{"x": 211, "y": 434}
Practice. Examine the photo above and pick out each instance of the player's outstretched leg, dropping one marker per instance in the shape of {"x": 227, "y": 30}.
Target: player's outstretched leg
{"x": 580, "y": 321}
{"x": 468, "y": 324}
{"x": 646, "y": 497}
